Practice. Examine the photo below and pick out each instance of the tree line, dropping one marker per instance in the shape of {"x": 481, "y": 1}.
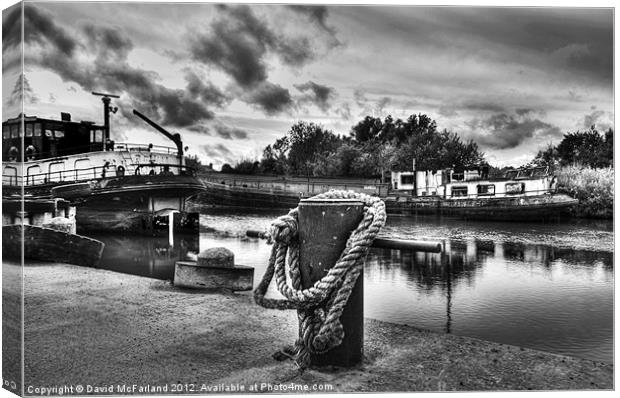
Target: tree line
{"x": 376, "y": 146}
{"x": 373, "y": 148}
{"x": 581, "y": 148}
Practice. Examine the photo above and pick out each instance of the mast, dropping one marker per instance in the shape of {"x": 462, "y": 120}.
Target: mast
{"x": 106, "y": 114}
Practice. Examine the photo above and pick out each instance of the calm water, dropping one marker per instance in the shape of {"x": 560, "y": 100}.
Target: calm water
{"x": 542, "y": 286}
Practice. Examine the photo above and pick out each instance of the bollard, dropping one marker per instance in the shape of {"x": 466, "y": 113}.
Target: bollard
{"x": 324, "y": 227}
{"x": 214, "y": 269}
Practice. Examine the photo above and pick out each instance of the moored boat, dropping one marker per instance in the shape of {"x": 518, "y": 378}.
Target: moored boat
{"x": 524, "y": 194}
{"x": 527, "y": 194}
{"x": 78, "y": 161}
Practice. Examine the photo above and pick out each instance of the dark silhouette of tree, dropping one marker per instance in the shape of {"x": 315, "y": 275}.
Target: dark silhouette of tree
{"x": 588, "y": 148}
{"x": 192, "y": 161}
{"x": 372, "y": 149}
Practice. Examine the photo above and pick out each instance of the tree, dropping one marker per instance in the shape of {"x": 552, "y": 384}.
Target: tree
{"x": 192, "y": 161}
{"x": 588, "y": 148}
{"x": 547, "y": 157}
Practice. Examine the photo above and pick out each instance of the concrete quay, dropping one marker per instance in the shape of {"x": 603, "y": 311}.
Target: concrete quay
{"x": 91, "y": 327}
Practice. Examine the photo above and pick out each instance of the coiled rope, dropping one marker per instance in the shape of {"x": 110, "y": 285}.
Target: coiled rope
{"x": 320, "y": 306}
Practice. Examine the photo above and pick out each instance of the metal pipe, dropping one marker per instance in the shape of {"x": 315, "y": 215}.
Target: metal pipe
{"x": 381, "y": 243}
{"x": 406, "y": 244}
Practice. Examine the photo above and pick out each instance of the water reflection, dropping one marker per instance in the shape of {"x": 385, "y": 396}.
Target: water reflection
{"x": 547, "y": 287}
{"x": 153, "y": 257}
{"x": 537, "y": 296}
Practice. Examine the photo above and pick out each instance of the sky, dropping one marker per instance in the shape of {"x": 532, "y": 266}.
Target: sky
{"x": 233, "y": 78}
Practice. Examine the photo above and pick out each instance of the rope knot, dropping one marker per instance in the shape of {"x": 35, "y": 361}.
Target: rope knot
{"x": 284, "y": 229}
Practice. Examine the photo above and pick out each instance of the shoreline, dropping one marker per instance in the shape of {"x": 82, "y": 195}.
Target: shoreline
{"x": 95, "y": 327}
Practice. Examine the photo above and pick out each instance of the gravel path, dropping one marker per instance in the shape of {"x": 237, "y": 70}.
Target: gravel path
{"x": 92, "y": 327}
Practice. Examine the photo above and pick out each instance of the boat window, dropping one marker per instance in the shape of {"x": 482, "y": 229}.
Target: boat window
{"x": 32, "y": 170}
{"x": 459, "y": 191}
{"x": 6, "y": 133}
{"x": 29, "y": 129}
{"x": 486, "y": 189}
{"x": 56, "y": 171}
{"x": 49, "y": 133}
{"x": 83, "y": 169}
{"x": 37, "y": 129}
{"x": 59, "y": 133}
{"x": 9, "y": 175}
{"x": 33, "y": 175}
{"x": 96, "y": 136}
{"x": 14, "y": 128}
{"x": 406, "y": 180}
{"x": 515, "y": 188}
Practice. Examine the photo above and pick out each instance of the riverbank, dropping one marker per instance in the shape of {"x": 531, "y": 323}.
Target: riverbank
{"x": 593, "y": 187}
{"x": 100, "y": 328}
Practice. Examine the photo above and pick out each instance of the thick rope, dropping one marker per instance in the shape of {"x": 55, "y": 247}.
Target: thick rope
{"x": 320, "y": 306}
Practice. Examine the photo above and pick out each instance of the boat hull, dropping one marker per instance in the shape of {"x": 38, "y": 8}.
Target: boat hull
{"x": 130, "y": 204}
{"x": 518, "y": 208}
{"x": 47, "y": 244}
{"x": 222, "y": 195}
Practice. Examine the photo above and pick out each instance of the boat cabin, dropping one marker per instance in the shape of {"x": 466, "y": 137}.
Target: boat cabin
{"x": 474, "y": 183}
{"x": 39, "y": 138}
{"x": 45, "y": 151}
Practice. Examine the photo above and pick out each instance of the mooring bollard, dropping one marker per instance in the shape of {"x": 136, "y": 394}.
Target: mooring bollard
{"x": 324, "y": 227}
{"x": 214, "y": 269}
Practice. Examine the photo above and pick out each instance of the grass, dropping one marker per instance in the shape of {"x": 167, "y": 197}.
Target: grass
{"x": 593, "y": 187}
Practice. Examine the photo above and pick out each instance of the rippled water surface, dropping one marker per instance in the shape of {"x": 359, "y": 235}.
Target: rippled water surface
{"x": 542, "y": 286}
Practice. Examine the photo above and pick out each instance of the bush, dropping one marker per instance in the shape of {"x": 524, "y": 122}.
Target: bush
{"x": 593, "y": 187}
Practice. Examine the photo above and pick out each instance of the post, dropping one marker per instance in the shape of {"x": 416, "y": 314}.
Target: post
{"x": 324, "y": 227}
{"x": 106, "y": 120}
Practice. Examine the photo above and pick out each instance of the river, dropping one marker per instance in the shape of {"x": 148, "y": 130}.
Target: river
{"x": 548, "y": 287}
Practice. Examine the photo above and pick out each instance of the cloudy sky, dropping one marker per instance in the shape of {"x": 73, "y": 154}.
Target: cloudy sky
{"x": 233, "y": 78}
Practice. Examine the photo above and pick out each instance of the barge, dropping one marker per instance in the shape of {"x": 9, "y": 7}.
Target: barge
{"x": 518, "y": 195}
{"x": 526, "y": 194}
{"x": 123, "y": 187}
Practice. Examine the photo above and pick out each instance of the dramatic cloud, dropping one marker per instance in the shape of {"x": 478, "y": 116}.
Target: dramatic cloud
{"x": 591, "y": 119}
{"x": 370, "y": 107}
{"x": 503, "y": 131}
{"x": 524, "y": 111}
{"x": 482, "y": 106}
{"x": 344, "y": 111}
{"x": 230, "y": 133}
{"x": 208, "y": 92}
{"x": 317, "y": 94}
{"x": 38, "y": 28}
{"x": 221, "y": 130}
{"x": 317, "y": 15}
{"x": 269, "y": 97}
{"x": 111, "y": 72}
{"x": 216, "y": 152}
{"x": 238, "y": 43}
{"x": 109, "y": 41}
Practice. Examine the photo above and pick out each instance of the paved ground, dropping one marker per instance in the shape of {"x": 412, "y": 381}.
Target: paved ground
{"x": 99, "y": 328}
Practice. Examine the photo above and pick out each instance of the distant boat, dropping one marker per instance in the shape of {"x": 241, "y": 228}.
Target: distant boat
{"x": 524, "y": 194}
{"x": 116, "y": 185}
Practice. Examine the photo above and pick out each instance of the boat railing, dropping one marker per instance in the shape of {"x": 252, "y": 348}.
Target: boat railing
{"x": 131, "y": 147}
{"x": 96, "y": 173}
